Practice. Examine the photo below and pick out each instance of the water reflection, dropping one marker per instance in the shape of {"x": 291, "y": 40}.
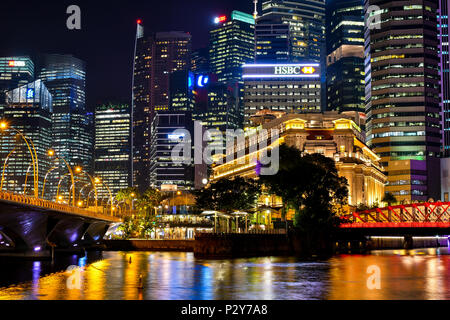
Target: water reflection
{"x": 413, "y": 274}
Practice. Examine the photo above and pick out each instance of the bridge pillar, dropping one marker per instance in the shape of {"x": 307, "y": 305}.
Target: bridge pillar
{"x": 408, "y": 242}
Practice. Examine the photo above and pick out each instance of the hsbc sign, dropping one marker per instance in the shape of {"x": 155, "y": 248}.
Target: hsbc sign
{"x": 311, "y": 70}
{"x": 294, "y": 70}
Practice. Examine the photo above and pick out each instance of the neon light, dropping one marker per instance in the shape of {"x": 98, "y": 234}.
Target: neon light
{"x": 202, "y": 81}
{"x": 30, "y": 93}
{"x": 255, "y": 76}
{"x": 277, "y": 65}
{"x": 175, "y": 136}
{"x": 308, "y": 70}
{"x": 139, "y": 21}
{"x": 220, "y": 19}
{"x": 13, "y": 63}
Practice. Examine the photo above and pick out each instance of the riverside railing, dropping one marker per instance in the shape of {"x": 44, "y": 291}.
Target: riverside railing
{"x": 28, "y": 200}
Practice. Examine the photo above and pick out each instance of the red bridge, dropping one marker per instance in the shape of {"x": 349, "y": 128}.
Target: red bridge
{"x": 428, "y": 218}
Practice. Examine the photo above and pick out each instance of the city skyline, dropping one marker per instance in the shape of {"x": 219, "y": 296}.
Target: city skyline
{"x": 106, "y": 37}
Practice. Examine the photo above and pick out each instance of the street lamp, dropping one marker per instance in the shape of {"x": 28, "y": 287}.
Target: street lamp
{"x": 94, "y": 181}
{"x": 5, "y": 126}
{"x": 52, "y": 153}
{"x": 98, "y": 180}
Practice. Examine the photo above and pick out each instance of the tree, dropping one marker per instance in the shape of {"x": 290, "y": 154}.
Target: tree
{"x": 127, "y": 196}
{"x": 311, "y": 185}
{"x": 229, "y": 195}
{"x": 389, "y": 198}
{"x": 127, "y": 227}
{"x": 151, "y": 199}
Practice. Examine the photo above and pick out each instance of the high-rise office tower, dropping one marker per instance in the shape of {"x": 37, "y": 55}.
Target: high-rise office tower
{"x": 113, "y": 146}
{"x": 200, "y": 60}
{"x": 272, "y": 38}
{"x": 306, "y": 20}
{"x": 402, "y": 94}
{"x": 29, "y": 110}
{"x": 444, "y": 69}
{"x": 232, "y": 44}
{"x": 156, "y": 57}
{"x": 290, "y": 88}
{"x": 14, "y": 71}
{"x": 65, "y": 78}
{"x": 345, "y": 55}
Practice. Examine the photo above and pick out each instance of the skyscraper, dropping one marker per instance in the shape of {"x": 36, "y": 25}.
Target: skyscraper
{"x": 345, "y": 55}
{"x": 445, "y": 73}
{"x": 272, "y": 38}
{"x": 14, "y": 71}
{"x": 72, "y": 137}
{"x": 231, "y": 44}
{"x": 157, "y": 55}
{"x": 402, "y": 95}
{"x": 28, "y": 109}
{"x": 113, "y": 146}
{"x": 306, "y": 20}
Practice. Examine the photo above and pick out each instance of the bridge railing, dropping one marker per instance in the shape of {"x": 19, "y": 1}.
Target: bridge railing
{"x": 23, "y": 199}
{"x": 426, "y": 212}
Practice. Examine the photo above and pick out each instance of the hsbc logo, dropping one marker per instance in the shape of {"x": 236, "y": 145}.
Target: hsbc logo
{"x": 294, "y": 70}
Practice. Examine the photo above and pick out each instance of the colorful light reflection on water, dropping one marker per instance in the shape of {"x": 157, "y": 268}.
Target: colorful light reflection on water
{"x": 414, "y": 274}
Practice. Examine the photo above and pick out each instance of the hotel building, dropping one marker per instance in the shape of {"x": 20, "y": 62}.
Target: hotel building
{"x": 333, "y": 135}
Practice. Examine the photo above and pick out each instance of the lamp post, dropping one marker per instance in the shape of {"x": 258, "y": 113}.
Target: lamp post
{"x": 5, "y": 126}
{"x": 45, "y": 179}
{"x": 98, "y": 180}
{"x": 4, "y": 167}
{"x": 52, "y": 153}
{"x": 79, "y": 169}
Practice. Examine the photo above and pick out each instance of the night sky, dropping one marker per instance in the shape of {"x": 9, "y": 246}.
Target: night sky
{"x": 106, "y": 38}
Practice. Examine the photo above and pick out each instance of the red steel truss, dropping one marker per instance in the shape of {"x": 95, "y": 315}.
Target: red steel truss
{"x": 415, "y": 215}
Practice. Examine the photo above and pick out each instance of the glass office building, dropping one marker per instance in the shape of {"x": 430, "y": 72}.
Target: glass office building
{"x": 444, "y": 70}
{"x": 157, "y": 56}
{"x": 14, "y": 71}
{"x": 65, "y": 78}
{"x": 232, "y": 44}
{"x": 113, "y": 147}
{"x": 306, "y": 20}
{"x": 29, "y": 110}
{"x": 402, "y": 96}
{"x": 345, "y": 55}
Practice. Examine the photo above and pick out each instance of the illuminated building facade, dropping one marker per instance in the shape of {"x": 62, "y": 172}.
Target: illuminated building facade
{"x": 14, "y": 71}
{"x": 333, "y": 135}
{"x": 272, "y": 39}
{"x": 281, "y": 87}
{"x": 29, "y": 110}
{"x": 402, "y": 95}
{"x": 113, "y": 146}
{"x": 72, "y": 122}
{"x": 232, "y": 44}
{"x": 306, "y": 20}
{"x": 444, "y": 69}
{"x": 345, "y": 55}
{"x": 157, "y": 56}
{"x": 200, "y": 61}
{"x": 179, "y": 176}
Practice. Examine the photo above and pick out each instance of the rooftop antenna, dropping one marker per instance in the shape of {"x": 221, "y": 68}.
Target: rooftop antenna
{"x": 255, "y": 13}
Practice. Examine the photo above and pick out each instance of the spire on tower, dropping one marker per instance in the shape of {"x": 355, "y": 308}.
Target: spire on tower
{"x": 255, "y": 13}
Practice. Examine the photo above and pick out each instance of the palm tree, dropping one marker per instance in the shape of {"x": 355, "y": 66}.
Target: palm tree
{"x": 389, "y": 198}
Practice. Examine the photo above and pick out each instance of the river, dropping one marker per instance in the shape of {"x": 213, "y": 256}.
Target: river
{"x": 404, "y": 274}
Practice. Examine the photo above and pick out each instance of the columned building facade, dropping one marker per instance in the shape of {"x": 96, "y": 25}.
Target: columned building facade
{"x": 333, "y": 135}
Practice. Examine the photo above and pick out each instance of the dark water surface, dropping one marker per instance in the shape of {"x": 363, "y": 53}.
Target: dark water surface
{"x": 405, "y": 274}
